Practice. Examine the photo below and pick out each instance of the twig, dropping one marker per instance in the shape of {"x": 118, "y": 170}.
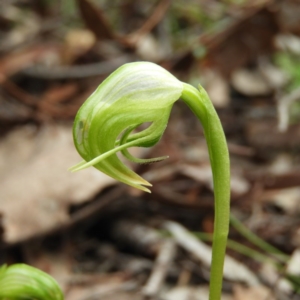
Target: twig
{"x": 92, "y": 209}
{"x": 233, "y": 270}
{"x": 142, "y": 238}
{"x": 161, "y": 266}
{"x": 80, "y": 71}
{"x": 101, "y": 291}
{"x": 283, "y": 105}
{"x": 157, "y": 15}
{"x": 95, "y": 20}
{"x": 41, "y": 108}
{"x": 17, "y": 92}
{"x": 240, "y": 150}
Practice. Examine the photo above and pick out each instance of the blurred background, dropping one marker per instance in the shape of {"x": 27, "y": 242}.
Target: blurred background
{"x": 101, "y": 239}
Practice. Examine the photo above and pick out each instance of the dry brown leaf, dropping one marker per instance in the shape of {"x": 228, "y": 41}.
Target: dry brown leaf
{"x": 95, "y": 20}
{"x": 110, "y": 287}
{"x": 36, "y": 187}
{"x": 264, "y": 136}
{"x": 269, "y": 274}
{"x": 252, "y": 293}
{"x": 289, "y": 16}
{"x": 239, "y": 185}
{"x": 190, "y": 293}
{"x": 16, "y": 61}
{"x": 246, "y": 38}
{"x": 294, "y": 263}
{"x": 287, "y": 199}
{"x": 217, "y": 88}
{"x": 58, "y": 264}
{"x": 148, "y": 48}
{"x": 12, "y": 110}
{"x": 250, "y": 83}
{"x": 60, "y": 93}
{"x": 77, "y": 43}
{"x": 24, "y": 28}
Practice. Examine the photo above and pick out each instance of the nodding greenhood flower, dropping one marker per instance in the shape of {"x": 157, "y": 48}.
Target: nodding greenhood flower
{"x": 134, "y": 94}
{"x": 20, "y": 281}
{"x": 143, "y": 92}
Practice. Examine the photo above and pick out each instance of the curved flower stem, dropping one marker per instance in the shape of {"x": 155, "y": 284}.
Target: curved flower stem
{"x": 199, "y": 102}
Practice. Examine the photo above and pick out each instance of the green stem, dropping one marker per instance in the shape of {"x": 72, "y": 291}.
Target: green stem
{"x": 238, "y": 247}
{"x": 199, "y": 102}
{"x": 257, "y": 241}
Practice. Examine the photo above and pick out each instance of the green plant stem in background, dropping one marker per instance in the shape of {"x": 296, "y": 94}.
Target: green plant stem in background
{"x": 143, "y": 92}
{"x": 257, "y": 241}
{"x": 239, "y": 248}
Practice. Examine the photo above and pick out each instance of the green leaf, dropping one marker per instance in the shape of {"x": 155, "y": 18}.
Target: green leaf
{"x": 20, "y": 281}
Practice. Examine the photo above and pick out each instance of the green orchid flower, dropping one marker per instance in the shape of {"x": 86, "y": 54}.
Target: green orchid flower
{"x": 20, "y": 281}
{"x": 143, "y": 92}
